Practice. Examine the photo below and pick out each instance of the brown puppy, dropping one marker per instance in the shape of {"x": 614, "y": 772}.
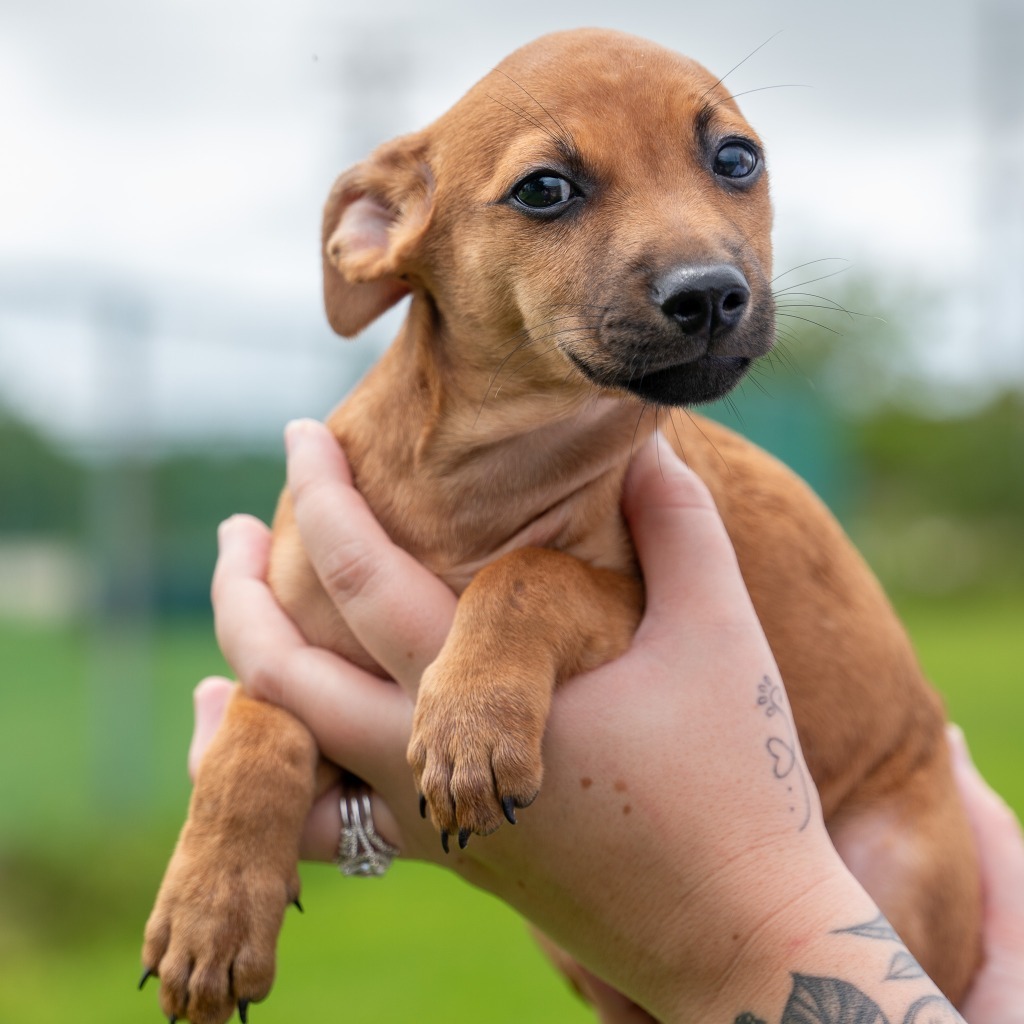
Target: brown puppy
{"x": 586, "y": 240}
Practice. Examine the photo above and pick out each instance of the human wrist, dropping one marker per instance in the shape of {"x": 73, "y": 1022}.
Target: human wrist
{"x": 772, "y": 901}
{"x": 828, "y": 946}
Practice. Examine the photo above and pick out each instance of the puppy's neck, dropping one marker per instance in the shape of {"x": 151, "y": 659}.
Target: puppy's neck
{"x": 460, "y": 468}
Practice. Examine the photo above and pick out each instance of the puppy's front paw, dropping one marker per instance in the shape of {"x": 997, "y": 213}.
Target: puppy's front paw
{"x": 475, "y": 749}
{"x": 212, "y": 935}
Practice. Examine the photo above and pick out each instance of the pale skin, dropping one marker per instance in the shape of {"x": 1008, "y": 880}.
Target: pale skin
{"x": 680, "y": 753}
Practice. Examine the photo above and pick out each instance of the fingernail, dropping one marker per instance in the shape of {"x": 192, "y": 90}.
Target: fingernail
{"x": 222, "y": 534}
{"x": 224, "y": 529}
{"x": 295, "y": 432}
{"x": 666, "y": 455}
{"x": 291, "y": 435}
{"x": 958, "y": 744}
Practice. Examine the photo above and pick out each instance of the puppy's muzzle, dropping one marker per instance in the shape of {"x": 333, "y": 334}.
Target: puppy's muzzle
{"x": 709, "y": 340}
{"x": 687, "y": 338}
{"x": 703, "y": 301}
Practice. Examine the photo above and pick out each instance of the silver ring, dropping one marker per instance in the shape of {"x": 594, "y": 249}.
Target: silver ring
{"x": 361, "y": 851}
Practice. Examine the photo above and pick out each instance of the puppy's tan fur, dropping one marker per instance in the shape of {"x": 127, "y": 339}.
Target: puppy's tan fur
{"x": 491, "y": 441}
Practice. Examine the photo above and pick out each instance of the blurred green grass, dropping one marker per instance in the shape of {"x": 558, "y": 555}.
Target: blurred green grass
{"x": 78, "y": 873}
{"x": 973, "y": 651}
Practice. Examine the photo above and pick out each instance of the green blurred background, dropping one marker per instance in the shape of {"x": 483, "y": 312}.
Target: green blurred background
{"x": 96, "y": 699}
{"x": 160, "y": 185}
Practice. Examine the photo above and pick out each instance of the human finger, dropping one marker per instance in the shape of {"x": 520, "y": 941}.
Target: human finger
{"x": 398, "y": 610}
{"x": 241, "y": 599}
{"x": 684, "y": 550}
{"x": 357, "y": 719}
{"x": 209, "y": 699}
{"x": 322, "y": 830}
{"x": 322, "y": 827}
{"x": 1000, "y": 846}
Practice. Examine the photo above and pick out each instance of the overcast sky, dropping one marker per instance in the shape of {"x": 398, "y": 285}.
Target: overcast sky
{"x": 164, "y": 165}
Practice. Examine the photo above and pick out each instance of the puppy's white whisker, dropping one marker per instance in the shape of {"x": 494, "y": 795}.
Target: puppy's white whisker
{"x": 809, "y": 263}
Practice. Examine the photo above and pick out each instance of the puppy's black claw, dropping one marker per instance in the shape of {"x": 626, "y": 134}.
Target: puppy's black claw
{"x": 146, "y": 975}
{"x": 423, "y": 806}
{"x": 297, "y": 905}
{"x": 243, "y": 1010}
{"x": 172, "y": 1019}
{"x": 508, "y": 805}
{"x": 444, "y": 839}
{"x": 464, "y": 835}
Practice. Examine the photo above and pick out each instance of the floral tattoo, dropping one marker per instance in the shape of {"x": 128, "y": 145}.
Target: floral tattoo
{"x": 817, "y": 1000}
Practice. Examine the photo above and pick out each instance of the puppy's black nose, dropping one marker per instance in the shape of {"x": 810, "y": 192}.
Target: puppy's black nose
{"x": 703, "y": 300}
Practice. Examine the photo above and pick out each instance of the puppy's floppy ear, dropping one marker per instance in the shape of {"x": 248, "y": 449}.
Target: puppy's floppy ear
{"x": 374, "y": 219}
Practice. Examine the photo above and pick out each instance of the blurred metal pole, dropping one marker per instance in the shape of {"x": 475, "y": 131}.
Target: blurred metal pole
{"x": 1001, "y": 182}
{"x": 376, "y": 80}
{"x": 120, "y": 523}
{"x": 376, "y": 83}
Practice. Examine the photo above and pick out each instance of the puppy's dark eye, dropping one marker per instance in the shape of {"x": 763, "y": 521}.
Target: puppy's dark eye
{"x": 735, "y": 160}
{"x": 543, "y": 191}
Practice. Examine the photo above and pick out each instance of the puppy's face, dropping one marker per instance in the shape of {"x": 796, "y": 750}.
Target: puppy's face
{"x": 595, "y": 211}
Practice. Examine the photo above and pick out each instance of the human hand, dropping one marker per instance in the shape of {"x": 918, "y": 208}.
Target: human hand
{"x": 679, "y": 757}
{"x": 997, "y": 995}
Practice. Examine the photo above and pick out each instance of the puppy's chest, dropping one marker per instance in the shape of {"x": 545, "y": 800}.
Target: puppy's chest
{"x": 457, "y": 535}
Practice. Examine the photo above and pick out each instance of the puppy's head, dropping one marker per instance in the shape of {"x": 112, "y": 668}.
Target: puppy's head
{"x": 594, "y": 211}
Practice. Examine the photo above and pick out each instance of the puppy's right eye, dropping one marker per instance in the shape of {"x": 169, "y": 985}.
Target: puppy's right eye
{"x": 543, "y": 191}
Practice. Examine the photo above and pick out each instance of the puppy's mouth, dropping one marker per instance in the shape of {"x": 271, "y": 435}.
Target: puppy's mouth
{"x": 694, "y": 382}
{"x": 687, "y": 337}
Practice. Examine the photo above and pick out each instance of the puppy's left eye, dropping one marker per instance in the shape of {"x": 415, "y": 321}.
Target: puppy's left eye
{"x": 543, "y": 191}
{"x": 735, "y": 160}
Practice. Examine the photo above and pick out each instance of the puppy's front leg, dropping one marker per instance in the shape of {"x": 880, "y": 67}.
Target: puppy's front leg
{"x": 528, "y": 620}
{"x": 212, "y": 935}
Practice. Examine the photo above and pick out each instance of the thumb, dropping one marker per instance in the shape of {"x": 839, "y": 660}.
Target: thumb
{"x": 685, "y": 553}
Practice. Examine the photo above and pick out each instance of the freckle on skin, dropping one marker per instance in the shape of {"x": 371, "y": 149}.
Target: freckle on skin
{"x": 626, "y": 808}
{"x": 586, "y": 782}
{"x": 620, "y": 786}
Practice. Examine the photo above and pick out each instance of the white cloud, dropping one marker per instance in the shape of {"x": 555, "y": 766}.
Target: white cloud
{"x": 183, "y": 148}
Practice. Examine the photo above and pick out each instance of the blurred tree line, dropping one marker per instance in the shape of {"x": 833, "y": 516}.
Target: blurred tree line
{"x": 941, "y": 508}
{"x": 934, "y": 498}
{"x": 933, "y": 492}
{"x": 47, "y": 491}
